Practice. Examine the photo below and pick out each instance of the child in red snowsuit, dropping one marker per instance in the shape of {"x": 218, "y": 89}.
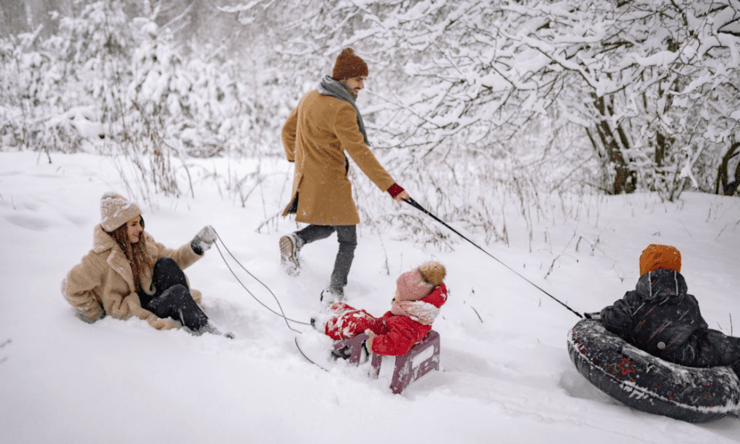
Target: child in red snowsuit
{"x": 419, "y": 295}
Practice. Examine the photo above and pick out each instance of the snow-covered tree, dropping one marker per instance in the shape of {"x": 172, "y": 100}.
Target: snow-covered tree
{"x": 530, "y": 95}
{"x": 648, "y": 85}
{"x": 657, "y": 81}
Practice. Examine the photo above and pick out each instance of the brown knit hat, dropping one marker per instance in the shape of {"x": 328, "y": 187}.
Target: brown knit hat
{"x": 349, "y": 65}
{"x": 116, "y": 210}
{"x": 660, "y": 257}
{"x": 415, "y": 284}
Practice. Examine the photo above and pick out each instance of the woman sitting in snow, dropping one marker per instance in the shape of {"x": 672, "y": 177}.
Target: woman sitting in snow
{"x": 419, "y": 295}
{"x": 660, "y": 317}
{"x": 128, "y": 274}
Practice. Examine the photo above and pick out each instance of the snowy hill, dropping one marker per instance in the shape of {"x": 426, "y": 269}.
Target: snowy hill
{"x": 506, "y": 373}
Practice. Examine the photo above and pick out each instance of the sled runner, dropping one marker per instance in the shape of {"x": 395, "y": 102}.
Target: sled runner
{"x": 420, "y": 360}
{"x": 648, "y": 383}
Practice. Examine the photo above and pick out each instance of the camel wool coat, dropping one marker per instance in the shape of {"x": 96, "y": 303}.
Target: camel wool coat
{"x": 315, "y": 136}
{"x": 103, "y": 283}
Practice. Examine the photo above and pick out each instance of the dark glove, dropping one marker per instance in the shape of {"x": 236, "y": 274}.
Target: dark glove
{"x": 203, "y": 240}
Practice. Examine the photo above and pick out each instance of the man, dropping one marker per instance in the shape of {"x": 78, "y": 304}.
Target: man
{"x": 324, "y": 125}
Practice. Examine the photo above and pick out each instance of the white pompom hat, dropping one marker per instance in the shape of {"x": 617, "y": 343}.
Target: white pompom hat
{"x": 116, "y": 210}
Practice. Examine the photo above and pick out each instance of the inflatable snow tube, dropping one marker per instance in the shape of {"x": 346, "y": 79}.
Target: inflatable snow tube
{"x": 650, "y": 384}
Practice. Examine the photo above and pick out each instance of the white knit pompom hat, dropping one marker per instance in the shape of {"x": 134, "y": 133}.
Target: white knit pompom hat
{"x": 116, "y": 210}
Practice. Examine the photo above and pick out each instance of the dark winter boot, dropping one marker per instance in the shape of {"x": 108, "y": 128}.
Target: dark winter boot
{"x": 330, "y": 296}
{"x": 318, "y": 322}
{"x": 346, "y": 353}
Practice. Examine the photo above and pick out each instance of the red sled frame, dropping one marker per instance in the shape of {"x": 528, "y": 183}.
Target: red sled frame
{"x": 405, "y": 371}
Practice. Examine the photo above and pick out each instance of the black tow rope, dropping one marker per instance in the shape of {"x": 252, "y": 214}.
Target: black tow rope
{"x": 416, "y": 205}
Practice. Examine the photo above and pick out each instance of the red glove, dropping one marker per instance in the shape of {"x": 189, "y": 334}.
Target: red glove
{"x": 395, "y": 190}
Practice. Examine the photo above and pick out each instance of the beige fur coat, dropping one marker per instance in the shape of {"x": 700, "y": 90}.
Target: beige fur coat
{"x": 315, "y": 136}
{"x": 102, "y": 283}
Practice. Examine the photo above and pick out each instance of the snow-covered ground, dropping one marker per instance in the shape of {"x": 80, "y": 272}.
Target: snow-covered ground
{"x": 506, "y": 373}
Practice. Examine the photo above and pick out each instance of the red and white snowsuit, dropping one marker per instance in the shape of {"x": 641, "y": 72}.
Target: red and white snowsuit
{"x": 396, "y": 333}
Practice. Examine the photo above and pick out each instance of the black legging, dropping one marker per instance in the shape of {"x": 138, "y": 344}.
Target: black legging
{"x": 172, "y": 298}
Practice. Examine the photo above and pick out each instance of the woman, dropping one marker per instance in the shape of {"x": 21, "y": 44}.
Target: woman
{"x": 128, "y": 274}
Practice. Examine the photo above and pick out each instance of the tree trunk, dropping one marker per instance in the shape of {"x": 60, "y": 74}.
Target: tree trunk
{"x": 625, "y": 179}
{"x": 723, "y": 185}
{"x": 660, "y": 148}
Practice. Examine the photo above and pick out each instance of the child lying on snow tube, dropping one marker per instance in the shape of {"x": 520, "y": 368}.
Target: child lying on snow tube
{"x": 661, "y": 318}
{"x": 419, "y": 295}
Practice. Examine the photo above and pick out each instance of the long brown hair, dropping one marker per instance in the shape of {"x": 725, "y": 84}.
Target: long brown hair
{"x": 135, "y": 253}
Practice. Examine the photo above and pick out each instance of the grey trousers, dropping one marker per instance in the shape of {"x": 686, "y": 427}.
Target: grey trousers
{"x": 347, "y": 237}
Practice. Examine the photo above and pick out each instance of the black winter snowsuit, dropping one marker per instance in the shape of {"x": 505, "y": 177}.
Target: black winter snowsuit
{"x": 660, "y": 317}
